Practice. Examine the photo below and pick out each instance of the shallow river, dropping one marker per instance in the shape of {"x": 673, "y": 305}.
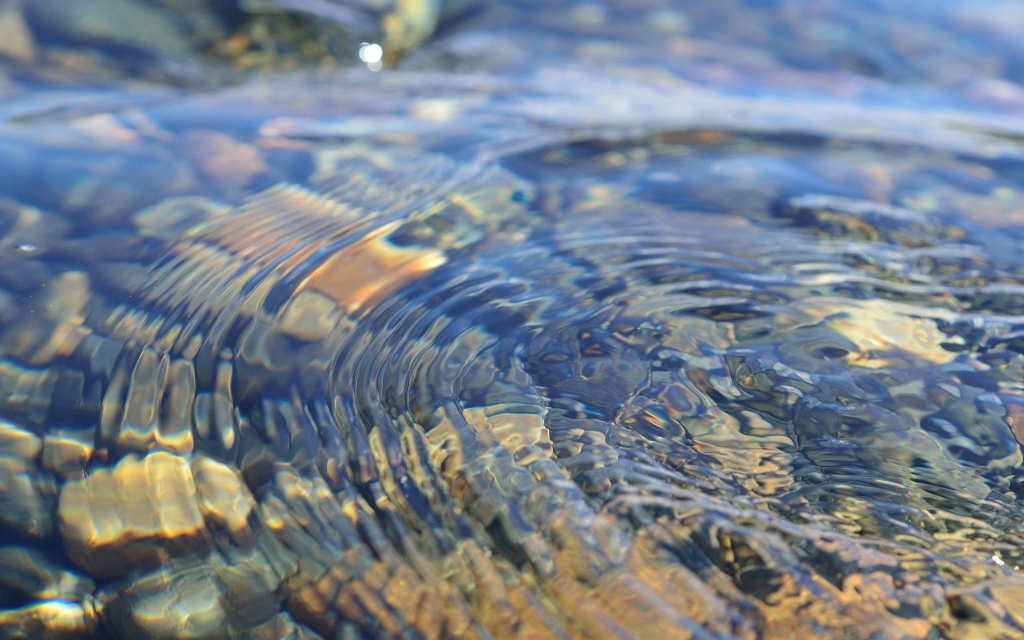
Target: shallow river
{"x": 545, "y": 320}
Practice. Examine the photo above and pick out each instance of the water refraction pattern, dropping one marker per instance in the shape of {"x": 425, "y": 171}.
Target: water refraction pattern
{"x": 702, "y": 383}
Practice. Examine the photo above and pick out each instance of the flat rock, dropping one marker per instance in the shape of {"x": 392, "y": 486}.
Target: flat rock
{"x": 136, "y": 514}
{"x": 231, "y": 594}
{"x": 175, "y": 602}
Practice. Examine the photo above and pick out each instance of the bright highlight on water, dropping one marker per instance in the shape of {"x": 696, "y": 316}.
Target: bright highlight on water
{"x": 372, "y": 55}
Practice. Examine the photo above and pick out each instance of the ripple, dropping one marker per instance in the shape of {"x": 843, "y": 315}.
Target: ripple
{"x": 414, "y": 396}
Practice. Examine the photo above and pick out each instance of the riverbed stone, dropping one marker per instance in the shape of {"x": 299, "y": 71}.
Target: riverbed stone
{"x": 224, "y": 500}
{"x": 50, "y": 620}
{"x": 138, "y": 513}
{"x": 175, "y": 602}
{"x": 33, "y": 575}
{"x": 232, "y": 593}
{"x": 28, "y": 496}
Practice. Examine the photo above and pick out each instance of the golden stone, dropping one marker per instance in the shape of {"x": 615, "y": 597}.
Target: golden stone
{"x": 18, "y": 443}
{"x": 66, "y": 452}
{"x": 223, "y": 498}
{"x": 370, "y": 270}
{"x": 52, "y": 620}
{"x": 136, "y": 514}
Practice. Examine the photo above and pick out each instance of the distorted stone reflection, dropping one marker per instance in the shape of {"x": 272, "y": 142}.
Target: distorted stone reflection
{"x": 574, "y": 319}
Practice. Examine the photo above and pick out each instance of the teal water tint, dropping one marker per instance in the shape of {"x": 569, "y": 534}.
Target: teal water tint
{"x": 560, "y": 320}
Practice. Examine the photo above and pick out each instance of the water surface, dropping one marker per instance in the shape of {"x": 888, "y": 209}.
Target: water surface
{"x": 576, "y": 321}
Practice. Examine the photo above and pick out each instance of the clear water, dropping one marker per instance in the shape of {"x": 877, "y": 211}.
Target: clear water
{"x": 587, "y": 320}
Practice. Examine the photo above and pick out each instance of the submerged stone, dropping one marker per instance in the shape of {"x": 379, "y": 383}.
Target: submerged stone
{"x": 223, "y": 499}
{"x": 136, "y": 514}
{"x": 603, "y": 347}
{"x": 232, "y": 593}
{"x": 37, "y": 577}
{"x": 29, "y": 496}
{"x": 52, "y": 620}
{"x": 176, "y": 602}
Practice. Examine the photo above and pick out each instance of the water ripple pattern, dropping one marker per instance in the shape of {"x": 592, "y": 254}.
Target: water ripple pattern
{"x": 687, "y": 383}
